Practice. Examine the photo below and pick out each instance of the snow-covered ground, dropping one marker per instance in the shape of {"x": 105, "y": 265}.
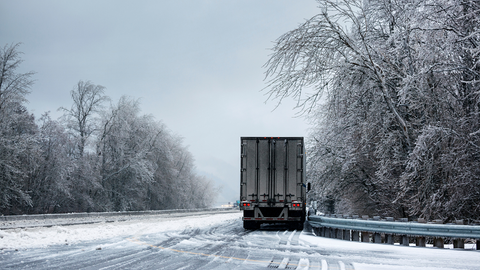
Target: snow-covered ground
{"x": 46, "y": 236}
{"x": 215, "y": 241}
{"x": 363, "y": 255}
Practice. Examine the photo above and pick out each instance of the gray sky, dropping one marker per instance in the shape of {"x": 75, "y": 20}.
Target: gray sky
{"x": 196, "y": 65}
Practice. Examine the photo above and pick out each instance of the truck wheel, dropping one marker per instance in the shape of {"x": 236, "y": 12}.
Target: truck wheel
{"x": 300, "y": 226}
{"x": 250, "y": 225}
{"x": 296, "y": 226}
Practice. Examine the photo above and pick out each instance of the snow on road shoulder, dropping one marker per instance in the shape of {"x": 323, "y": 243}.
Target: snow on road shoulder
{"x": 383, "y": 256}
{"x": 43, "y": 237}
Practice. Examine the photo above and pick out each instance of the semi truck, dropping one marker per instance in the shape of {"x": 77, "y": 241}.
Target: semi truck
{"x": 272, "y": 181}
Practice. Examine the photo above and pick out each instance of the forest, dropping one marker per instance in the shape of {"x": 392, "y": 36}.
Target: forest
{"x": 99, "y": 156}
{"x": 392, "y": 89}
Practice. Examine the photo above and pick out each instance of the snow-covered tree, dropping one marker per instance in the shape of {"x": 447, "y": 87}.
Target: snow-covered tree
{"x": 397, "y": 129}
{"x": 92, "y": 160}
{"x": 88, "y": 100}
{"x": 17, "y": 132}
{"x": 51, "y": 185}
{"x": 143, "y": 166}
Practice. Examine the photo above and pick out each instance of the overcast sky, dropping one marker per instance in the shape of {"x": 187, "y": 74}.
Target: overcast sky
{"x": 195, "y": 65}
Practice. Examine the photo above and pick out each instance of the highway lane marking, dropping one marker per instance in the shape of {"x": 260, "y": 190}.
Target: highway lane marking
{"x": 300, "y": 264}
{"x": 304, "y": 264}
{"x": 284, "y": 263}
{"x": 324, "y": 265}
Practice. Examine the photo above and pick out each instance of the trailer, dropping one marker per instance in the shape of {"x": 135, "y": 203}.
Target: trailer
{"x": 272, "y": 181}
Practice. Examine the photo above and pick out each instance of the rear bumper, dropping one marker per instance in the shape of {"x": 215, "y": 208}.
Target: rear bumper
{"x": 273, "y": 214}
{"x": 273, "y": 219}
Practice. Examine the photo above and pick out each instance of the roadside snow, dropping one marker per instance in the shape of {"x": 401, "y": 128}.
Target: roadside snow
{"x": 46, "y": 236}
{"x": 370, "y": 256}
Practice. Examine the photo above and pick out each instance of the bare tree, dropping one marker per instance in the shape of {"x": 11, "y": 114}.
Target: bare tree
{"x": 442, "y": 176}
{"x": 137, "y": 164}
{"x": 349, "y": 54}
{"x": 13, "y": 86}
{"x": 143, "y": 166}
{"x": 51, "y": 185}
{"x": 17, "y": 129}
{"x": 87, "y": 99}
{"x": 397, "y": 133}
{"x": 346, "y": 36}
{"x": 125, "y": 147}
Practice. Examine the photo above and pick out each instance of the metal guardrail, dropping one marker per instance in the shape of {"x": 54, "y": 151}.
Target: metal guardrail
{"x": 400, "y": 228}
{"x": 390, "y": 228}
{"x": 44, "y": 220}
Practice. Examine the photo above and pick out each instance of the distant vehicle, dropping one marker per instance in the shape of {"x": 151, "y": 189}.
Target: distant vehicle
{"x": 272, "y": 181}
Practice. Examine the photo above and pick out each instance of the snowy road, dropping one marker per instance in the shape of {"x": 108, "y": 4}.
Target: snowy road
{"x": 217, "y": 241}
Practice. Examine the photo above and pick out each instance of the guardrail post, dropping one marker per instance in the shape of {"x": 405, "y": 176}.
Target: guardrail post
{"x": 438, "y": 242}
{"x": 346, "y": 235}
{"x": 355, "y": 236}
{"x": 420, "y": 241}
{"x": 377, "y": 238}
{"x": 328, "y": 232}
{"x": 459, "y": 243}
{"x": 365, "y": 237}
{"x": 339, "y": 234}
{"x": 389, "y": 239}
{"x": 405, "y": 240}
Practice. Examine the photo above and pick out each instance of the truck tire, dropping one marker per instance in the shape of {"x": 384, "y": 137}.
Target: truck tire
{"x": 300, "y": 226}
{"x": 296, "y": 226}
{"x": 250, "y": 225}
